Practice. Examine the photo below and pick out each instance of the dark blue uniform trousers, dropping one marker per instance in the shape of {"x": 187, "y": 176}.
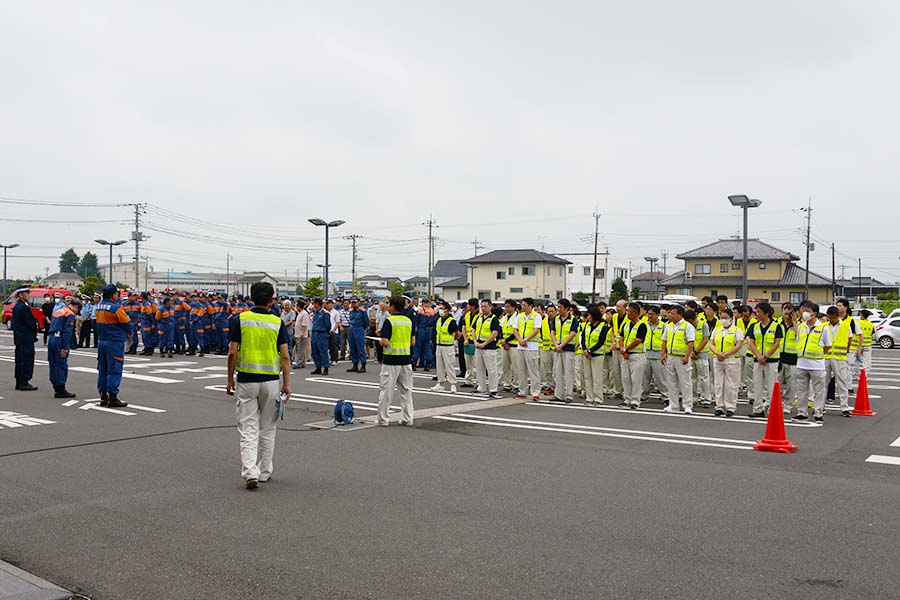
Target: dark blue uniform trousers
{"x": 110, "y": 360}
{"x": 358, "y": 345}
{"x": 24, "y": 361}
{"x": 424, "y": 353}
{"x": 320, "y": 349}
{"x": 59, "y": 366}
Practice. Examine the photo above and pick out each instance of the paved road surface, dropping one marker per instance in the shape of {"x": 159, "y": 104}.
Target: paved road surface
{"x": 517, "y": 501}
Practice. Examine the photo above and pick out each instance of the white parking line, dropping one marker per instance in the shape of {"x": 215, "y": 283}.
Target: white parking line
{"x": 884, "y": 460}
{"x": 109, "y": 410}
{"x": 896, "y": 443}
{"x": 130, "y": 376}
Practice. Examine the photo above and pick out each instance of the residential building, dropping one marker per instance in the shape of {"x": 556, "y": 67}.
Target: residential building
{"x": 516, "y": 274}
{"x": 773, "y": 275}
{"x": 864, "y": 287}
{"x": 454, "y": 290}
{"x": 609, "y": 269}
{"x": 445, "y": 270}
{"x": 66, "y": 280}
{"x": 649, "y": 284}
{"x": 418, "y": 284}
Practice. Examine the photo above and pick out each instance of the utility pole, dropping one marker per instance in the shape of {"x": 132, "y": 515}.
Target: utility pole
{"x": 480, "y": 246}
{"x": 665, "y": 255}
{"x": 833, "y": 273}
{"x": 594, "y": 268}
{"x": 606, "y": 272}
{"x": 431, "y": 225}
{"x": 859, "y": 263}
{"x": 227, "y": 271}
{"x": 307, "y": 267}
{"x": 137, "y": 236}
{"x": 353, "y": 239}
{"x": 808, "y": 210}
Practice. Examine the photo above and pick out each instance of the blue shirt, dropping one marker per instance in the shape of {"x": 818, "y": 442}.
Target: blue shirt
{"x": 359, "y": 318}
{"x": 321, "y": 321}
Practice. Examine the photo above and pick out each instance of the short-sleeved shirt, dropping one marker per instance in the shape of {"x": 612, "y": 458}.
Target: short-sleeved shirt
{"x": 535, "y": 343}
{"x": 690, "y": 333}
{"x": 776, "y": 328}
{"x": 303, "y": 320}
{"x": 234, "y": 335}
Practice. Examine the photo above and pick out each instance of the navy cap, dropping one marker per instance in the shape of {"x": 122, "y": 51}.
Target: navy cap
{"x": 108, "y": 290}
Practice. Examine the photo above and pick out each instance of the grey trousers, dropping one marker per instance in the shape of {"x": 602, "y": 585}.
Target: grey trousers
{"x": 655, "y": 371}
{"x": 486, "y": 369}
{"x": 764, "y": 377}
{"x": 399, "y": 377}
{"x": 563, "y": 374}
{"x": 528, "y": 367}
{"x": 806, "y": 382}
{"x": 840, "y": 370}
{"x": 633, "y": 377}
{"x": 680, "y": 383}
{"x": 256, "y": 410}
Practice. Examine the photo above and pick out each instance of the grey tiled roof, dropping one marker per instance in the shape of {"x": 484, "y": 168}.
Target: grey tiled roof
{"x": 449, "y": 268}
{"x": 515, "y": 256}
{"x": 458, "y": 282}
{"x": 733, "y": 249}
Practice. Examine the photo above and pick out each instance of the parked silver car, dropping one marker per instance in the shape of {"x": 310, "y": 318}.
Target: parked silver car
{"x": 887, "y": 334}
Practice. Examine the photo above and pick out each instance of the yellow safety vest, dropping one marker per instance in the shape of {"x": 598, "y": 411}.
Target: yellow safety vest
{"x": 698, "y": 339}
{"x": 526, "y": 325}
{"x": 563, "y": 329}
{"x": 841, "y": 342}
{"x": 765, "y": 343}
{"x": 401, "y": 336}
{"x": 808, "y": 342}
{"x": 469, "y": 323}
{"x": 744, "y": 327}
{"x": 483, "y": 327}
{"x": 546, "y": 344}
{"x": 617, "y": 324}
{"x": 629, "y": 332}
{"x": 590, "y": 337}
{"x": 506, "y": 325}
{"x": 789, "y": 341}
{"x": 868, "y": 332}
{"x": 653, "y": 343}
{"x": 854, "y": 338}
{"x": 724, "y": 340}
{"x": 443, "y": 336}
{"x": 258, "y": 352}
{"x": 578, "y": 347}
{"x": 677, "y": 346}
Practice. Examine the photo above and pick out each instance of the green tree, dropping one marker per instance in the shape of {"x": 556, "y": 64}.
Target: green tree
{"x": 397, "y": 288}
{"x": 619, "y": 290}
{"x": 68, "y": 261}
{"x": 87, "y": 266}
{"x": 313, "y": 288}
{"x": 636, "y": 292}
{"x": 582, "y": 298}
{"x": 90, "y": 285}
{"x": 357, "y": 289}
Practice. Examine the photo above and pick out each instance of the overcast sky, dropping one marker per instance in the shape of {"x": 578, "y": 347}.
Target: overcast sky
{"x": 509, "y": 121}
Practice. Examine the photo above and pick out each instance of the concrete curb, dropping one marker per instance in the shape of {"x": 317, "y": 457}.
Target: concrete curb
{"x": 16, "y": 584}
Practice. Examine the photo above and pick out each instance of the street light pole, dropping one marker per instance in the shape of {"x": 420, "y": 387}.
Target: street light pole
{"x": 327, "y": 226}
{"x": 745, "y": 203}
{"x": 653, "y": 260}
{"x": 111, "y": 244}
{"x": 5, "y": 248}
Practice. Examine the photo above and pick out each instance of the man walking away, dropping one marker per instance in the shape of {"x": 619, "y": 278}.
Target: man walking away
{"x": 397, "y": 339}
{"x": 258, "y": 351}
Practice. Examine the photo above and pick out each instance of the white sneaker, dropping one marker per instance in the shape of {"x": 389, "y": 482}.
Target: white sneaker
{"x": 688, "y": 411}
{"x": 436, "y": 388}
{"x": 668, "y": 409}
{"x": 452, "y": 389}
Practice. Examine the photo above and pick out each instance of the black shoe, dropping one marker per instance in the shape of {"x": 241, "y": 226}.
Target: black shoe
{"x": 191, "y": 353}
{"x": 353, "y": 369}
{"x": 171, "y": 355}
{"x": 252, "y": 484}
{"x": 362, "y": 369}
{"x": 846, "y": 413}
{"x": 425, "y": 369}
{"x": 434, "y": 378}
{"x": 201, "y": 355}
{"x": 316, "y": 372}
{"x": 729, "y": 413}
{"x": 466, "y": 385}
{"x": 757, "y": 414}
{"x": 414, "y": 367}
{"x": 801, "y": 418}
{"x": 62, "y": 392}
{"x": 819, "y": 419}
{"x": 104, "y": 399}
{"x": 114, "y": 402}
{"x": 27, "y": 387}
{"x": 719, "y": 412}
{"x": 325, "y": 372}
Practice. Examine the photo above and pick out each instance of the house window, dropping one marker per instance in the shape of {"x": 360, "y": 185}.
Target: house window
{"x": 501, "y": 274}
{"x": 559, "y": 294}
{"x": 587, "y": 271}
{"x": 723, "y": 268}
{"x": 458, "y": 294}
{"x": 738, "y": 293}
{"x": 797, "y": 297}
{"x": 571, "y": 270}
{"x": 560, "y": 271}
{"x": 600, "y": 273}
{"x": 484, "y": 294}
{"x": 776, "y": 296}
{"x": 683, "y": 291}
{"x": 702, "y": 269}
{"x": 512, "y": 270}
{"x": 713, "y": 293}
{"x": 735, "y": 266}
{"x": 762, "y": 266}
{"x": 515, "y": 290}
{"x": 527, "y": 269}
{"x": 496, "y": 295}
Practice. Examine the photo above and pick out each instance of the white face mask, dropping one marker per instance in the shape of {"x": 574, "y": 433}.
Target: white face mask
{"x": 726, "y": 322}
{"x": 806, "y": 316}
{"x": 442, "y": 312}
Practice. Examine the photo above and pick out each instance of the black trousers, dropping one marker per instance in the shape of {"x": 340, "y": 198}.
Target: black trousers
{"x": 333, "y": 344}
{"x": 85, "y": 340}
{"x": 460, "y": 348}
{"x": 24, "y": 361}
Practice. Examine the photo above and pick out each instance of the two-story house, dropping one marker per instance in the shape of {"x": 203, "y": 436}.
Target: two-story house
{"x": 772, "y": 274}
{"x": 515, "y": 274}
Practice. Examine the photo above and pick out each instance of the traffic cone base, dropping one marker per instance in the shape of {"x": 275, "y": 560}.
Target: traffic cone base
{"x": 862, "y": 408}
{"x": 776, "y": 438}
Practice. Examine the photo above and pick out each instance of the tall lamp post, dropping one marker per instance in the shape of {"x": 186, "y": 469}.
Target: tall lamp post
{"x": 324, "y": 290}
{"x": 745, "y": 203}
{"x": 327, "y": 225}
{"x": 111, "y": 244}
{"x": 5, "y": 248}
{"x": 653, "y": 260}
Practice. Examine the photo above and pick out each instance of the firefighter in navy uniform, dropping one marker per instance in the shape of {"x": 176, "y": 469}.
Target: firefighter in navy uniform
{"x": 113, "y": 331}
{"x": 25, "y": 330}
{"x": 59, "y": 341}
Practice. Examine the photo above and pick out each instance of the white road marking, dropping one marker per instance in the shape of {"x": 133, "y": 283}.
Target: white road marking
{"x": 884, "y": 460}
{"x": 149, "y": 378}
{"x": 896, "y": 443}
{"x": 71, "y": 402}
{"x": 375, "y": 386}
{"x": 109, "y": 410}
{"x": 213, "y": 376}
{"x": 146, "y": 408}
{"x": 561, "y": 429}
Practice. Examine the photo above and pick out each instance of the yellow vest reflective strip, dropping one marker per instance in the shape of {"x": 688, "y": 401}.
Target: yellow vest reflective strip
{"x": 506, "y": 326}
{"x": 744, "y": 327}
{"x": 401, "y": 336}
{"x": 563, "y": 329}
{"x": 630, "y": 334}
{"x": 443, "y": 337}
{"x": 676, "y": 344}
{"x": 868, "y": 332}
{"x": 469, "y": 321}
{"x": 546, "y": 344}
{"x": 765, "y": 343}
{"x": 483, "y": 327}
{"x": 653, "y": 343}
{"x": 841, "y": 342}
{"x": 789, "y": 341}
{"x": 579, "y": 349}
{"x": 526, "y": 325}
{"x": 808, "y": 343}
{"x": 258, "y": 351}
{"x": 725, "y": 340}
{"x": 590, "y": 337}
{"x": 698, "y": 339}
{"x": 617, "y": 323}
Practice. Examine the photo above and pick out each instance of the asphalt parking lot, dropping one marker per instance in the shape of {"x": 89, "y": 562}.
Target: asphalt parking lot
{"x": 516, "y": 500}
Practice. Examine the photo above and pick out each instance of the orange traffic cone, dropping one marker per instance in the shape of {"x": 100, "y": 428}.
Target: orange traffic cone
{"x": 862, "y": 408}
{"x": 776, "y": 438}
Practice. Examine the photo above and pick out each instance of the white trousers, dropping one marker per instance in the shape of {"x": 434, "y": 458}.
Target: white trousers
{"x": 700, "y": 373}
{"x": 787, "y": 377}
{"x": 810, "y": 384}
{"x": 486, "y": 370}
{"x": 528, "y": 367}
{"x": 470, "y": 368}
{"x": 655, "y": 371}
{"x": 747, "y": 375}
{"x": 577, "y": 374}
{"x": 256, "y": 410}
{"x": 840, "y": 370}
{"x": 728, "y": 380}
{"x": 546, "y": 369}
{"x": 446, "y": 364}
{"x": 563, "y": 374}
{"x": 679, "y": 382}
{"x": 711, "y": 359}
{"x": 633, "y": 377}
{"x": 594, "y": 369}
{"x": 397, "y": 377}
{"x": 764, "y": 377}
{"x": 509, "y": 376}
{"x": 614, "y": 384}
